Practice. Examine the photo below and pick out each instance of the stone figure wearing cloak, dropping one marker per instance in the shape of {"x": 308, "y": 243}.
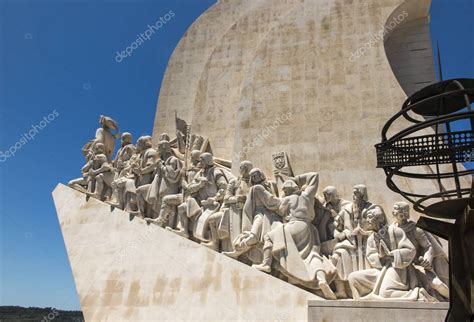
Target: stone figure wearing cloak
{"x": 259, "y": 216}
{"x": 343, "y": 253}
{"x": 227, "y": 223}
{"x": 355, "y": 220}
{"x": 208, "y": 188}
{"x": 125, "y": 152}
{"x": 392, "y": 274}
{"x": 101, "y": 177}
{"x": 145, "y": 175}
{"x": 167, "y": 181}
{"x": 176, "y": 205}
{"x": 294, "y": 245}
{"x": 429, "y": 253}
{"x": 104, "y": 135}
{"x": 326, "y": 210}
{"x": 82, "y": 184}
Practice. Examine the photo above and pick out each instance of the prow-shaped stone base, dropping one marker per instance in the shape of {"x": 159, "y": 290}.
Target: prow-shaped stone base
{"x": 126, "y": 270}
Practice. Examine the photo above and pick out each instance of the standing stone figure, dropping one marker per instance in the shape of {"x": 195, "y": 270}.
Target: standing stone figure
{"x": 181, "y": 200}
{"x": 295, "y": 244}
{"x": 355, "y": 220}
{"x": 326, "y": 211}
{"x": 167, "y": 182}
{"x": 227, "y": 223}
{"x": 104, "y": 135}
{"x": 127, "y": 149}
{"x": 429, "y": 253}
{"x": 391, "y": 274}
{"x": 146, "y": 174}
{"x": 124, "y": 184}
{"x": 208, "y": 187}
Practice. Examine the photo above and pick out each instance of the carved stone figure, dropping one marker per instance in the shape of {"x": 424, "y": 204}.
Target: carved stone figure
{"x": 208, "y": 188}
{"x": 295, "y": 244}
{"x": 342, "y": 257}
{"x": 104, "y": 135}
{"x": 326, "y": 211}
{"x": 145, "y": 175}
{"x": 355, "y": 220}
{"x": 101, "y": 176}
{"x": 127, "y": 149}
{"x": 124, "y": 184}
{"x": 429, "y": 253}
{"x": 167, "y": 181}
{"x": 259, "y": 216}
{"x": 82, "y": 183}
{"x": 181, "y": 200}
{"x": 226, "y": 224}
{"x": 392, "y": 274}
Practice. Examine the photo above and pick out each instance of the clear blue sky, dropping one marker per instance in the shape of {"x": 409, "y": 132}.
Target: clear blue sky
{"x": 60, "y": 56}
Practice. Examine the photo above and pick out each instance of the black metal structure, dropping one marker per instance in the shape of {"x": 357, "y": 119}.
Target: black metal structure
{"x": 413, "y": 152}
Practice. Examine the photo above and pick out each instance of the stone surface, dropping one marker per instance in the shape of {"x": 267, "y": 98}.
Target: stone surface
{"x": 264, "y": 76}
{"x": 130, "y": 271}
{"x": 367, "y": 311}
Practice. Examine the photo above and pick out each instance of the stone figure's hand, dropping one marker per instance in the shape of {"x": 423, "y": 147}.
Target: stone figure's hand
{"x": 423, "y": 262}
{"x": 241, "y": 198}
{"x": 232, "y": 200}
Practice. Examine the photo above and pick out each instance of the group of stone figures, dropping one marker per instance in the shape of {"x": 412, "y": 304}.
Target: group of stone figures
{"x": 336, "y": 248}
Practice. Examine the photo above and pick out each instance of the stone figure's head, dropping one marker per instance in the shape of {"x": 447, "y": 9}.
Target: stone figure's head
{"x": 144, "y": 142}
{"x": 290, "y": 188}
{"x": 164, "y": 148}
{"x": 126, "y": 138}
{"x": 195, "y": 157}
{"x": 359, "y": 193}
{"x": 245, "y": 168}
{"x": 376, "y": 219}
{"x": 164, "y": 137}
{"x": 330, "y": 194}
{"x": 401, "y": 212}
{"x": 207, "y": 161}
{"x": 108, "y": 123}
{"x": 257, "y": 176}
{"x": 99, "y": 148}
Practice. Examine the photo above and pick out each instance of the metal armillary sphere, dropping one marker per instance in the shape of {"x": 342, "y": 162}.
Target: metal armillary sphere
{"x": 414, "y": 153}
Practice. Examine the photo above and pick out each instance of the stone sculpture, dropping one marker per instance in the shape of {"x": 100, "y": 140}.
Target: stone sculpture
{"x": 429, "y": 253}
{"x": 330, "y": 246}
{"x": 295, "y": 244}
{"x": 390, "y": 255}
{"x": 355, "y": 220}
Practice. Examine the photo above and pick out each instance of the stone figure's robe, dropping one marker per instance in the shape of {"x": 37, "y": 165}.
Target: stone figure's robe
{"x": 166, "y": 182}
{"x": 230, "y": 224}
{"x": 428, "y": 246}
{"x": 107, "y": 139}
{"x": 346, "y": 250}
{"x": 123, "y": 155}
{"x": 389, "y": 279}
{"x": 296, "y": 243}
{"x": 351, "y": 221}
{"x": 216, "y": 181}
{"x": 260, "y": 205}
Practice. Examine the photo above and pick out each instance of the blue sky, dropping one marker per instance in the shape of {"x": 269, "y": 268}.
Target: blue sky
{"x": 59, "y": 57}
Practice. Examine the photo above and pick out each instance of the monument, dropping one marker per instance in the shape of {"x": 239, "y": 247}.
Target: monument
{"x": 257, "y": 197}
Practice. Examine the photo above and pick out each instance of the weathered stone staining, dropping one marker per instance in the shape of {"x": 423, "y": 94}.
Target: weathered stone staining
{"x": 335, "y": 248}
